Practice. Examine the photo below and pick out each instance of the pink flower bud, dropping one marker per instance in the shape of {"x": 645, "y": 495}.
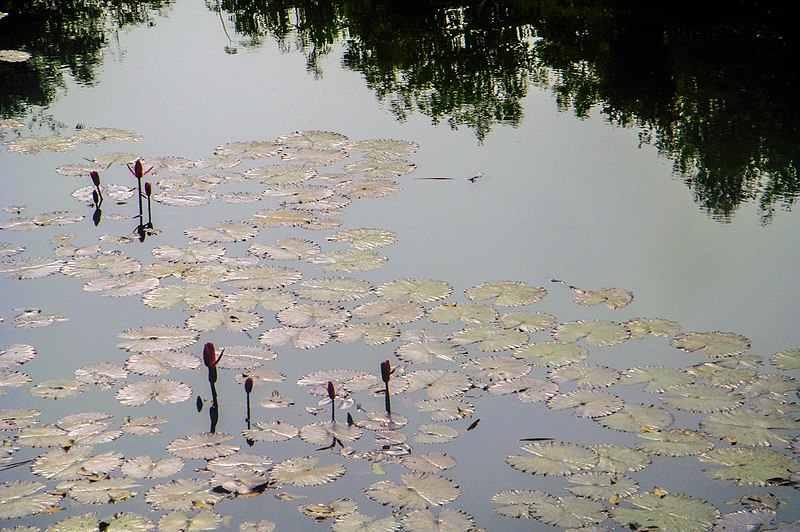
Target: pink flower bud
{"x": 209, "y": 355}
{"x": 95, "y": 177}
{"x": 331, "y": 391}
{"x": 248, "y": 385}
{"x": 386, "y": 371}
{"x": 148, "y": 189}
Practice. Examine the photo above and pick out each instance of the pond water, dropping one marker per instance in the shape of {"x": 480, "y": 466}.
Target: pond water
{"x": 535, "y": 197}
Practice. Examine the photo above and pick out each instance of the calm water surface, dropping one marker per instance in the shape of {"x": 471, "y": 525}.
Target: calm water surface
{"x": 561, "y": 197}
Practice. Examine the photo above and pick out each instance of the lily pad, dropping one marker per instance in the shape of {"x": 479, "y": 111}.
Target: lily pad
{"x": 467, "y": 313}
{"x": 613, "y": 298}
{"x": 507, "y": 293}
{"x": 715, "y": 344}
{"x": 164, "y": 391}
{"x": 746, "y": 427}
{"x": 303, "y": 471}
{"x": 675, "y": 442}
{"x": 416, "y": 492}
{"x": 553, "y": 458}
{"x": 551, "y": 354}
{"x": 597, "y": 333}
{"x": 587, "y": 403}
{"x": 204, "y": 445}
{"x": 668, "y": 512}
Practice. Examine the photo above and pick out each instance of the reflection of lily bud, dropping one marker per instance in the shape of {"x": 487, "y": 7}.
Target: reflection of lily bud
{"x": 148, "y": 189}
{"x": 95, "y": 197}
{"x": 331, "y": 391}
{"x": 386, "y": 371}
{"x": 210, "y": 355}
{"x": 95, "y": 178}
{"x": 248, "y": 385}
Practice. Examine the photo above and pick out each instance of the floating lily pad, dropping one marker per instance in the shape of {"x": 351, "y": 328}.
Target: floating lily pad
{"x": 332, "y": 509}
{"x": 146, "y": 467}
{"x": 569, "y": 511}
{"x": 417, "y": 491}
{"x": 371, "y": 333}
{"x": 233, "y": 320}
{"x": 634, "y": 418}
{"x": 384, "y": 147}
{"x": 36, "y": 143}
{"x": 675, "y": 442}
{"x": 389, "y": 312}
{"x": 334, "y": 289}
{"x": 323, "y": 433}
{"x": 527, "y": 389}
{"x": 641, "y": 327}
{"x": 164, "y": 391}
{"x": 286, "y": 249}
{"x": 368, "y": 188}
{"x": 497, "y": 368}
{"x": 33, "y": 318}
{"x": 428, "y": 463}
{"x": 253, "y": 149}
{"x": 303, "y": 471}
{"x": 585, "y": 375}
{"x": 30, "y": 267}
{"x": 587, "y": 403}
{"x": 300, "y": 337}
{"x": 57, "y": 389}
{"x": 438, "y": 384}
{"x": 551, "y": 354}
{"x": 156, "y": 338}
{"x": 356, "y": 521}
{"x": 426, "y": 352}
{"x": 74, "y": 463}
{"x": 108, "y": 263}
{"x": 101, "y": 491}
{"x": 702, "y": 398}
{"x": 613, "y": 298}
{"x": 271, "y": 431}
{"x": 520, "y": 503}
{"x": 145, "y": 425}
{"x": 668, "y": 512}
{"x": 602, "y": 486}
{"x": 618, "y": 459}
{"x": 245, "y": 357}
{"x": 20, "y": 498}
{"x": 507, "y": 293}
{"x": 224, "y": 231}
{"x": 194, "y": 296}
{"x": 467, "y": 313}
{"x": 788, "y": 359}
{"x": 349, "y": 260}
{"x": 250, "y": 299}
{"x": 658, "y": 378}
{"x": 181, "y": 495}
{"x": 433, "y": 433}
{"x": 597, "y": 333}
{"x": 204, "y": 445}
{"x": 490, "y": 338}
{"x": 183, "y": 522}
{"x": 127, "y": 285}
{"x": 527, "y": 321}
{"x": 715, "y": 344}
{"x": 378, "y": 167}
{"x": 104, "y": 375}
{"x": 157, "y": 363}
{"x": 16, "y": 354}
{"x": 746, "y": 427}
{"x": 553, "y": 458}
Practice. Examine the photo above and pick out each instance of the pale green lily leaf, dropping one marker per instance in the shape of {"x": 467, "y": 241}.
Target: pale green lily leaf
{"x": 368, "y": 188}
{"x": 9, "y": 250}
{"x": 203, "y": 445}
{"x": 19, "y": 498}
{"x": 224, "y": 231}
{"x": 497, "y": 368}
{"x": 36, "y": 143}
{"x": 96, "y": 135}
{"x": 181, "y": 495}
{"x": 146, "y": 467}
{"x": 520, "y": 503}
{"x": 126, "y": 285}
{"x": 371, "y": 333}
{"x": 30, "y": 267}
{"x": 597, "y": 333}
{"x": 438, "y": 384}
{"x": 467, "y": 313}
{"x": 146, "y": 425}
{"x": 618, "y": 459}
{"x": 308, "y": 314}
{"x": 108, "y": 263}
{"x": 303, "y": 471}
{"x": 527, "y": 321}
{"x": 13, "y": 379}
{"x": 349, "y": 260}
{"x": 263, "y": 277}
{"x": 297, "y": 194}
{"x": 569, "y": 511}
{"x": 702, "y": 398}
{"x": 384, "y": 147}
{"x": 633, "y": 418}
{"x": 182, "y": 522}
{"x": 126, "y": 522}
{"x": 180, "y": 197}
{"x": 553, "y": 458}
{"x": 194, "y": 252}
{"x": 250, "y": 299}
{"x": 32, "y": 318}
{"x": 312, "y": 139}
{"x": 715, "y": 344}
{"x": 418, "y": 491}
{"x": 778, "y": 387}
{"x": 585, "y": 375}
{"x": 721, "y": 375}
{"x": 786, "y": 360}
{"x": 490, "y": 338}
{"x": 433, "y": 433}
{"x": 614, "y": 298}
{"x": 238, "y": 463}
{"x": 364, "y": 238}
{"x": 749, "y": 428}
{"x": 658, "y": 378}
{"x": 551, "y": 354}
{"x": 332, "y": 509}
{"x": 103, "y": 491}
{"x": 315, "y": 156}
{"x": 390, "y": 312}
{"x": 233, "y": 320}
{"x": 602, "y": 486}
{"x": 641, "y": 327}
{"x": 286, "y": 249}
{"x": 57, "y": 389}
{"x": 300, "y": 338}
{"x": 751, "y": 466}
{"x": 587, "y": 403}
{"x": 379, "y": 167}
{"x": 74, "y": 463}
{"x": 356, "y": 522}
{"x": 675, "y": 442}
{"x": 416, "y": 290}
{"x": 323, "y": 433}
{"x": 282, "y": 217}
{"x": 446, "y": 409}
{"x": 670, "y": 512}
{"x": 157, "y": 363}
{"x": 281, "y": 174}
{"x": 334, "y": 289}
{"x": 428, "y": 463}
{"x": 448, "y": 520}
{"x": 507, "y": 293}
{"x": 156, "y": 338}
{"x": 271, "y": 431}
{"x": 253, "y": 149}
{"x": 527, "y": 389}
{"x": 77, "y": 523}
{"x": 194, "y": 296}
{"x": 164, "y": 391}
{"x": 756, "y": 519}
{"x": 16, "y": 354}
{"x": 426, "y": 352}
{"x": 245, "y": 357}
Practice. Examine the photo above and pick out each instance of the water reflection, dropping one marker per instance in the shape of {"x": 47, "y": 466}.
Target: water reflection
{"x": 710, "y": 90}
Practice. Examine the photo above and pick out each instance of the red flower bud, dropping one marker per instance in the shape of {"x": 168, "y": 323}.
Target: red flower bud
{"x": 331, "y": 391}
{"x": 386, "y": 371}
{"x": 148, "y": 189}
{"x": 95, "y": 177}
{"x": 137, "y": 169}
{"x": 209, "y": 355}
{"x": 248, "y": 385}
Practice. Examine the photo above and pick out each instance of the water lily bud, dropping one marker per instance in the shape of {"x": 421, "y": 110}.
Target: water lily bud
{"x": 248, "y": 385}
{"x": 331, "y": 391}
{"x": 209, "y": 355}
{"x": 148, "y": 189}
{"x": 386, "y": 371}
{"x": 95, "y": 177}
{"x": 138, "y": 171}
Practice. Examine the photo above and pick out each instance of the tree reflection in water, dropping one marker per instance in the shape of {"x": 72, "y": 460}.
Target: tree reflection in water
{"x": 710, "y": 89}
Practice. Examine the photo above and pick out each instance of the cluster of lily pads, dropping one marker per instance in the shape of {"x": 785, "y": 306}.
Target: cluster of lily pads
{"x": 448, "y": 353}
